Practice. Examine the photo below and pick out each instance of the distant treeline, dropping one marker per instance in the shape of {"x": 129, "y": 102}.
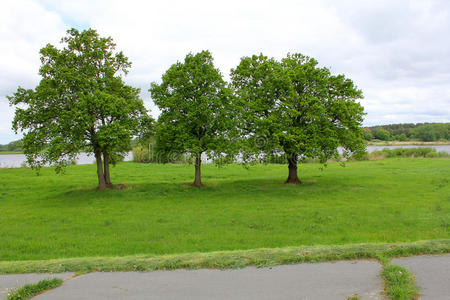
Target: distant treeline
{"x": 15, "y": 146}
{"x": 426, "y": 132}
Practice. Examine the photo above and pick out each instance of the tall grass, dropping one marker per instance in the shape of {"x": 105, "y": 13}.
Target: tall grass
{"x": 30, "y": 290}
{"x": 409, "y": 152}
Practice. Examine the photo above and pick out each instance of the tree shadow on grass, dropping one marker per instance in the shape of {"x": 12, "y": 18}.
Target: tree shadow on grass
{"x": 161, "y": 191}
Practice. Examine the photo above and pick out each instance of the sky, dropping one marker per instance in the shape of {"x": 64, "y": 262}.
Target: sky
{"x": 396, "y": 52}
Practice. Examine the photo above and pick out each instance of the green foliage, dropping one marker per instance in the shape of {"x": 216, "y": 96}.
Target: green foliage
{"x": 358, "y": 156}
{"x": 394, "y": 129}
{"x": 142, "y": 154}
{"x": 261, "y": 257}
{"x": 30, "y": 290}
{"x": 80, "y": 104}
{"x": 160, "y": 213}
{"x": 401, "y": 137}
{"x": 426, "y": 132}
{"x": 368, "y": 136}
{"x": 147, "y": 154}
{"x": 432, "y": 132}
{"x": 409, "y": 152}
{"x": 195, "y": 109}
{"x": 295, "y": 108}
{"x": 15, "y": 146}
{"x": 399, "y": 283}
{"x": 383, "y": 135}
{"x": 194, "y": 103}
{"x": 435, "y": 154}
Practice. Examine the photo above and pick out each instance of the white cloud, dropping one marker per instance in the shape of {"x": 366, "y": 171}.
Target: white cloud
{"x": 396, "y": 52}
{"x": 25, "y": 27}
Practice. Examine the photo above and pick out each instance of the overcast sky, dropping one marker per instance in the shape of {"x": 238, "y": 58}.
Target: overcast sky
{"x": 397, "y": 52}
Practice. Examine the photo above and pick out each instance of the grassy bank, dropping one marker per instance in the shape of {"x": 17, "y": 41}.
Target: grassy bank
{"x": 10, "y": 152}
{"x": 264, "y": 257}
{"x": 387, "y": 201}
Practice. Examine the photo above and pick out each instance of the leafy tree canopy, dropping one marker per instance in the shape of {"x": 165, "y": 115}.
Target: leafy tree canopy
{"x": 383, "y": 135}
{"x": 80, "y": 104}
{"x": 195, "y": 109}
{"x": 295, "y": 108}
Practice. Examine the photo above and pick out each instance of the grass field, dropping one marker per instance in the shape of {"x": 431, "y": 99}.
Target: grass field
{"x": 53, "y": 216}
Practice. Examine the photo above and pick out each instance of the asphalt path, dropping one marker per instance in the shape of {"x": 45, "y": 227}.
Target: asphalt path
{"x": 329, "y": 280}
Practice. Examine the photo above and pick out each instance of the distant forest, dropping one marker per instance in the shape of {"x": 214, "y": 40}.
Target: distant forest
{"x": 425, "y": 132}
{"x": 15, "y": 146}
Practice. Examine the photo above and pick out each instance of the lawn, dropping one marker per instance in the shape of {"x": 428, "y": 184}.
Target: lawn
{"x": 61, "y": 216}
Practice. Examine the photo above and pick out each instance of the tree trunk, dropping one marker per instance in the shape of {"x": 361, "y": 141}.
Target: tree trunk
{"x": 198, "y": 175}
{"x": 293, "y": 177}
{"x": 100, "y": 175}
{"x": 106, "y": 169}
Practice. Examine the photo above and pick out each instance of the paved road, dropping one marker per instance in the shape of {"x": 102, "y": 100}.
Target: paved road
{"x": 332, "y": 280}
{"x": 432, "y": 274}
{"x": 336, "y": 280}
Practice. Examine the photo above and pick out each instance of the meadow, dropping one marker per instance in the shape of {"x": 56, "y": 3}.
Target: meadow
{"x": 62, "y": 216}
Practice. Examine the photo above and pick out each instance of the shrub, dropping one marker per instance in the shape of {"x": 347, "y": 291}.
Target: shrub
{"x": 360, "y": 156}
{"x": 142, "y": 155}
{"x": 383, "y": 135}
{"x": 435, "y": 154}
{"x": 378, "y": 154}
{"x": 401, "y": 137}
{"x": 407, "y": 152}
{"x": 368, "y": 136}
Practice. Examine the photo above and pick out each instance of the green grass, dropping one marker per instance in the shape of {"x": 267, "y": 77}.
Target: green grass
{"x": 52, "y": 216}
{"x": 264, "y": 257}
{"x": 30, "y": 290}
{"x": 399, "y": 283}
{"x": 10, "y": 152}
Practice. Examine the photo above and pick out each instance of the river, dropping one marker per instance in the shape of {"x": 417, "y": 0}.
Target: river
{"x": 18, "y": 160}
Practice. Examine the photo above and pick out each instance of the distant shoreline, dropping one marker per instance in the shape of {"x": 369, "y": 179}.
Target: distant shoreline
{"x": 10, "y": 152}
{"x": 377, "y": 143}
{"x": 408, "y": 143}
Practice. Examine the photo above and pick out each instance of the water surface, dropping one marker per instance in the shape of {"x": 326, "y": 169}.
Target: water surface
{"x": 18, "y": 160}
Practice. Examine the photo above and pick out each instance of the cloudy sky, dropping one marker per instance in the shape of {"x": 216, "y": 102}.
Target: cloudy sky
{"x": 397, "y": 52}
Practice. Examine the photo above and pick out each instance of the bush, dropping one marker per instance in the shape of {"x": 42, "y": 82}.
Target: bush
{"x": 360, "y": 156}
{"x": 435, "y": 154}
{"x": 383, "y": 135}
{"x": 142, "y": 155}
{"x": 408, "y": 152}
{"x": 400, "y": 137}
{"x": 368, "y": 136}
{"x": 149, "y": 155}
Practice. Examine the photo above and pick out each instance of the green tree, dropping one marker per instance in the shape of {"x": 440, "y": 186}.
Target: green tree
{"x": 432, "y": 132}
{"x": 12, "y": 146}
{"x": 80, "y": 104}
{"x": 296, "y": 108}
{"x": 383, "y": 134}
{"x": 368, "y": 134}
{"x": 401, "y": 137}
{"x": 195, "y": 110}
